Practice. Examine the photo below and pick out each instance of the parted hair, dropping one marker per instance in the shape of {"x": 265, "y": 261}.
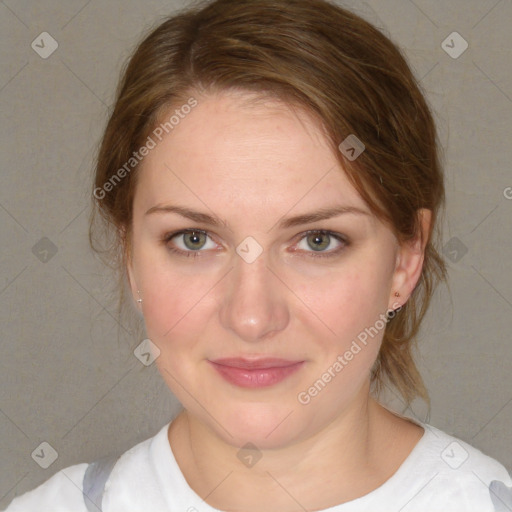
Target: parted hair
{"x": 331, "y": 63}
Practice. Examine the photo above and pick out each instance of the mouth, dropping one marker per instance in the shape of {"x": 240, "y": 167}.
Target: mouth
{"x": 255, "y": 373}
{"x": 255, "y": 364}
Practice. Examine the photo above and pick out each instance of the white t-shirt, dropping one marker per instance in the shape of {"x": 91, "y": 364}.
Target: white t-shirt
{"x": 442, "y": 473}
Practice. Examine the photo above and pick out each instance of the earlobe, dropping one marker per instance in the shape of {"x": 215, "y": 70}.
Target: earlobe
{"x": 409, "y": 262}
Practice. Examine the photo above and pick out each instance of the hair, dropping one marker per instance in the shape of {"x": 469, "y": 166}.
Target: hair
{"x": 333, "y": 65}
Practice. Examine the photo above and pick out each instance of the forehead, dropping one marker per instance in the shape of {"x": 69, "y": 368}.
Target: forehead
{"x": 237, "y": 145}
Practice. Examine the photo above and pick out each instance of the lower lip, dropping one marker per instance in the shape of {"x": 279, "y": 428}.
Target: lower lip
{"x": 257, "y": 377}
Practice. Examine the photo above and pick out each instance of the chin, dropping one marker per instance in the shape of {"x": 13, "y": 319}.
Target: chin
{"x": 266, "y": 426}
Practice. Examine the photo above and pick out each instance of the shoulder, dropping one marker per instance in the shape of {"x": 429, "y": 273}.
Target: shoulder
{"x": 60, "y": 493}
{"x": 451, "y": 471}
{"x": 63, "y": 492}
{"x": 457, "y": 457}
{"x": 134, "y": 483}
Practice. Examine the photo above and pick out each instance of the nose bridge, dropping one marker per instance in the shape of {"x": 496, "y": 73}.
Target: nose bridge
{"x": 255, "y": 302}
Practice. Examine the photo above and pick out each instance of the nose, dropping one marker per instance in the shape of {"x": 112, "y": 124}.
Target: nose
{"x": 255, "y": 301}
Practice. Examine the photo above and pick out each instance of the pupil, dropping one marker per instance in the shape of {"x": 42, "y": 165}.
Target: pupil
{"x": 193, "y": 239}
{"x": 317, "y": 240}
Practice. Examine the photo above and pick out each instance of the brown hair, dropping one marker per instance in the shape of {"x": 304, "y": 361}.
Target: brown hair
{"x": 329, "y": 62}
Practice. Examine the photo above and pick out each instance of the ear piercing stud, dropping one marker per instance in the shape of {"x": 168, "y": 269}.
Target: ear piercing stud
{"x": 391, "y": 313}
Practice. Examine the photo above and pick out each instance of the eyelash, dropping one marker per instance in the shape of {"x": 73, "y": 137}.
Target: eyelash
{"x": 312, "y": 254}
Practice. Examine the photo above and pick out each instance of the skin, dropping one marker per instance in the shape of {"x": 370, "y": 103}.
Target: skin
{"x": 251, "y": 165}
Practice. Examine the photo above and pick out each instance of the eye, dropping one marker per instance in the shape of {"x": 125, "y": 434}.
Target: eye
{"x": 315, "y": 243}
{"x": 194, "y": 242}
{"x": 188, "y": 242}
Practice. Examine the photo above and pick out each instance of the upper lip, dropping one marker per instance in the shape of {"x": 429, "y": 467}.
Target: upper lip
{"x": 249, "y": 364}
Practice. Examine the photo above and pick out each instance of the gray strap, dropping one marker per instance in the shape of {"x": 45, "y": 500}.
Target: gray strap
{"x": 95, "y": 478}
{"x": 501, "y": 496}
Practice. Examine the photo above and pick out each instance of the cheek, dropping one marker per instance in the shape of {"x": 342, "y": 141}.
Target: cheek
{"x": 174, "y": 300}
{"x": 346, "y": 302}
{"x": 175, "y": 308}
{"x": 349, "y": 314}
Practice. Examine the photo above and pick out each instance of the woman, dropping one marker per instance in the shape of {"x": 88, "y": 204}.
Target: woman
{"x": 271, "y": 174}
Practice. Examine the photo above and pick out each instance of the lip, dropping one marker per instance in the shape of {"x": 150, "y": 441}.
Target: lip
{"x": 255, "y": 364}
{"x": 255, "y": 373}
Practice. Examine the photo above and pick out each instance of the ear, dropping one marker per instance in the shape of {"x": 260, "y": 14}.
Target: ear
{"x": 409, "y": 262}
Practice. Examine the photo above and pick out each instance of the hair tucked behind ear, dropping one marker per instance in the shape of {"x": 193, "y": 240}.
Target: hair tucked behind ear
{"x": 329, "y": 62}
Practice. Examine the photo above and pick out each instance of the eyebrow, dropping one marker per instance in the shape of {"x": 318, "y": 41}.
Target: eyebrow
{"x": 298, "y": 220}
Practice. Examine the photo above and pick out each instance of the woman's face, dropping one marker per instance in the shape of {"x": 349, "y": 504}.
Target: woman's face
{"x": 258, "y": 267}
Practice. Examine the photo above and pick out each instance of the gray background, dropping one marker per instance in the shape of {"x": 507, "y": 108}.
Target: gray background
{"x": 68, "y": 373}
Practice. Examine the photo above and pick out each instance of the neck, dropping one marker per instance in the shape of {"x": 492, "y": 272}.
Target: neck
{"x": 331, "y": 466}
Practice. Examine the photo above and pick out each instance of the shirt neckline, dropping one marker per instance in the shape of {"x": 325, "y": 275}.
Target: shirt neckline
{"x": 168, "y": 471}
